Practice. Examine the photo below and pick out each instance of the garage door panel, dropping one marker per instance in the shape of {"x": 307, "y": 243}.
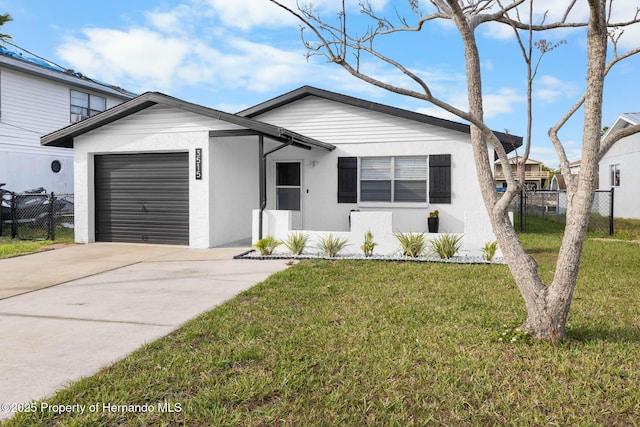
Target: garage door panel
{"x": 142, "y": 198}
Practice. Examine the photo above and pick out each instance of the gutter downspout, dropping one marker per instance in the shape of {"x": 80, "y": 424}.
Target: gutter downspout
{"x": 262, "y": 170}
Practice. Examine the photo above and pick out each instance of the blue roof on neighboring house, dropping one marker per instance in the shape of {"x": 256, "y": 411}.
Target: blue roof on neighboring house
{"x": 33, "y": 60}
{"x": 50, "y": 69}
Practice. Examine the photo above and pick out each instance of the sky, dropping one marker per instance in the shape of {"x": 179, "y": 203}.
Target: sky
{"x": 233, "y": 54}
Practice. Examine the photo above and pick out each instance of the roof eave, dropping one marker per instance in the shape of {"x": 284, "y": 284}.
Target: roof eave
{"x": 64, "y": 137}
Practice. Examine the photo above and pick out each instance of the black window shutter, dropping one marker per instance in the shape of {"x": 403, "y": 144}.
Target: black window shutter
{"x": 440, "y": 178}
{"x": 347, "y": 179}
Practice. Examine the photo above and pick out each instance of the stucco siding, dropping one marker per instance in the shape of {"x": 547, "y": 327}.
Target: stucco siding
{"x": 234, "y": 190}
{"x": 152, "y": 130}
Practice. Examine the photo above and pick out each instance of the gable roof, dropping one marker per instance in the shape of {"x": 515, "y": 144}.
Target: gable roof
{"x": 622, "y": 121}
{"x": 509, "y": 142}
{"x": 64, "y": 137}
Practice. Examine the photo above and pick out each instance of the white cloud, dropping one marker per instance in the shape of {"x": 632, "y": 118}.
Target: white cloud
{"x": 502, "y": 102}
{"x": 173, "y": 21}
{"x": 550, "y": 89}
{"x": 246, "y": 14}
{"x": 112, "y": 55}
{"x": 148, "y": 60}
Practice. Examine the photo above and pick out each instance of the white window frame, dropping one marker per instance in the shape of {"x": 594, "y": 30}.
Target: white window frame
{"x": 614, "y": 175}
{"x": 393, "y": 178}
{"x": 88, "y": 110}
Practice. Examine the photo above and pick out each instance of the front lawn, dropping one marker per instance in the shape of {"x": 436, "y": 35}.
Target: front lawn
{"x": 378, "y": 343}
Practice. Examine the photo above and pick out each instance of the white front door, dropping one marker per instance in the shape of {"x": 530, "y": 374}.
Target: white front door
{"x": 289, "y": 190}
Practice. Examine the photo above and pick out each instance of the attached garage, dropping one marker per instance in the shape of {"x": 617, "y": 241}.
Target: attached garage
{"x": 160, "y": 170}
{"x": 142, "y": 198}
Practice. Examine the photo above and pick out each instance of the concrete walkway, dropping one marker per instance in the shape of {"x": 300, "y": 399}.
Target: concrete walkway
{"x": 69, "y": 312}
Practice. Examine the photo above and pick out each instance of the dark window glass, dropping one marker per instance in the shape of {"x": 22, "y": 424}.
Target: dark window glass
{"x": 288, "y": 174}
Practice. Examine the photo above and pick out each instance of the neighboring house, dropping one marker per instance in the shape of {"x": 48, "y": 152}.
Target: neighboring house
{"x": 558, "y": 183}
{"x": 534, "y": 175}
{"x": 36, "y": 98}
{"x": 574, "y": 167}
{"x": 619, "y": 169}
{"x": 161, "y": 170}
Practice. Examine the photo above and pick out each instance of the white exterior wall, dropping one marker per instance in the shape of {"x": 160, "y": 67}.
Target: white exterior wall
{"x": 359, "y": 132}
{"x": 476, "y": 233}
{"x": 626, "y": 153}
{"x": 153, "y": 130}
{"x": 31, "y": 107}
{"x": 234, "y": 191}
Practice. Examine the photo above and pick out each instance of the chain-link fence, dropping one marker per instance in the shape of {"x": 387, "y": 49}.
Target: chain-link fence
{"x": 552, "y": 205}
{"x": 36, "y": 215}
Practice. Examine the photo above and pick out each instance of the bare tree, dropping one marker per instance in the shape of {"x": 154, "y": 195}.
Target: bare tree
{"x": 547, "y": 306}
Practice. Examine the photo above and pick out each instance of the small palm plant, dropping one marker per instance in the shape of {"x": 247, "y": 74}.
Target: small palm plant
{"x": 368, "y": 245}
{"x": 489, "y": 250}
{"x": 413, "y": 245}
{"x": 446, "y": 245}
{"x": 267, "y": 244}
{"x": 296, "y": 242}
{"x": 331, "y": 246}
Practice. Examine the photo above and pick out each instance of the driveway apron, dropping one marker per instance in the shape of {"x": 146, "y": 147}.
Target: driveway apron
{"x": 78, "y": 309}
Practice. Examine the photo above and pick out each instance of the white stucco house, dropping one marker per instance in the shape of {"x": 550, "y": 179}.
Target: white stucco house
{"x": 619, "y": 169}
{"x": 36, "y": 98}
{"x": 161, "y": 170}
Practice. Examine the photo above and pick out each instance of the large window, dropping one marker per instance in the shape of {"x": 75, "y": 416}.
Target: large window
{"x": 614, "y": 173}
{"x": 84, "y": 105}
{"x": 393, "y": 179}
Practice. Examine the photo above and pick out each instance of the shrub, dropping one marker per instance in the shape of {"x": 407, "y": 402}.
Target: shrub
{"x": 296, "y": 242}
{"x": 368, "y": 245}
{"x": 489, "y": 250}
{"x": 331, "y": 246}
{"x": 446, "y": 245}
{"x": 413, "y": 245}
{"x": 267, "y": 244}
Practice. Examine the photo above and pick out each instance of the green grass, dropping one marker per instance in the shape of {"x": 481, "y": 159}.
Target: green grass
{"x": 373, "y": 343}
{"x": 13, "y": 247}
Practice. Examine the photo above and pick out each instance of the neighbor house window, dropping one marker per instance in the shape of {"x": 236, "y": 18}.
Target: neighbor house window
{"x": 84, "y": 105}
{"x": 393, "y": 179}
{"x": 614, "y": 179}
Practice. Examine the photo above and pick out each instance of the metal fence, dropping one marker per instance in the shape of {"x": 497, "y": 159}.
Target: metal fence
{"x": 36, "y": 215}
{"x": 552, "y": 205}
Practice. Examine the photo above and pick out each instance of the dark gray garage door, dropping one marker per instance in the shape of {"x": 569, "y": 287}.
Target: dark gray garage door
{"x": 142, "y": 198}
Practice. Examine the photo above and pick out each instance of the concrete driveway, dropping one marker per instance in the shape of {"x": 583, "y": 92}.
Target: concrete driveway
{"x": 64, "y": 314}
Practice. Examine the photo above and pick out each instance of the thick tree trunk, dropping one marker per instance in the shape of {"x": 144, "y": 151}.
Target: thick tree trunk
{"x": 550, "y": 321}
{"x": 547, "y": 307}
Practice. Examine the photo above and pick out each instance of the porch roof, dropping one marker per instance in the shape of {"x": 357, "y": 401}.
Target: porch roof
{"x": 64, "y": 137}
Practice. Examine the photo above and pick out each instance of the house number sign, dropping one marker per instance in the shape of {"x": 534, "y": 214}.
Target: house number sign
{"x": 198, "y": 163}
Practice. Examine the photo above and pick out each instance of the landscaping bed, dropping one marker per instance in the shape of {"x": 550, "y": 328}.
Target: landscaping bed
{"x": 254, "y": 254}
